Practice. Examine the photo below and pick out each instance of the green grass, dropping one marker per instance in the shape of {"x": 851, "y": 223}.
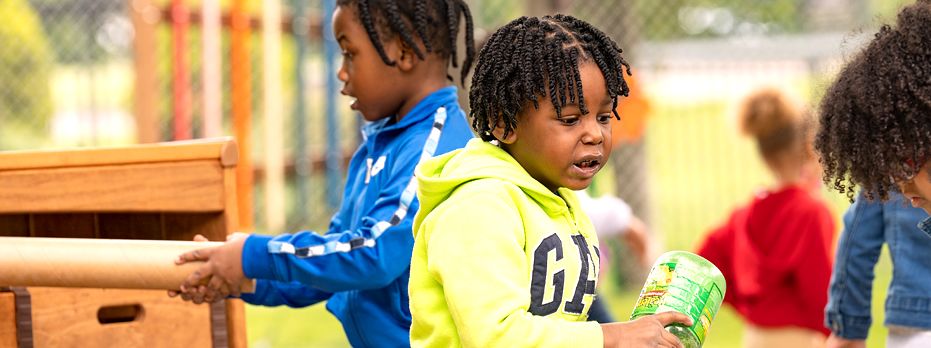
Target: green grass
{"x": 315, "y": 327}
{"x": 289, "y": 327}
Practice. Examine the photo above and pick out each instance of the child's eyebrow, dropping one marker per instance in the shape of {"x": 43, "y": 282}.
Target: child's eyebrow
{"x": 568, "y": 110}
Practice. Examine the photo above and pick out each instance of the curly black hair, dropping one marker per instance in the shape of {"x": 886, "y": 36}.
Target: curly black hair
{"x": 435, "y": 24}
{"x": 875, "y": 120}
{"x": 530, "y": 57}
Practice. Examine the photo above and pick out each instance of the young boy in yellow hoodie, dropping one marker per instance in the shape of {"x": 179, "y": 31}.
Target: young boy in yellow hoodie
{"x": 503, "y": 255}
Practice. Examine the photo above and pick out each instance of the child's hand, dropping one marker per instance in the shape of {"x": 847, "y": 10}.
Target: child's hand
{"x": 648, "y": 331}
{"x": 197, "y": 238}
{"x": 221, "y": 272}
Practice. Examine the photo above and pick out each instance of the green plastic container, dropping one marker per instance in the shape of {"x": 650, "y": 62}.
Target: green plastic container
{"x": 686, "y": 283}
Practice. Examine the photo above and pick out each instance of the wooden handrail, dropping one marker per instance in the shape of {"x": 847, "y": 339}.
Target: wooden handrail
{"x": 223, "y": 149}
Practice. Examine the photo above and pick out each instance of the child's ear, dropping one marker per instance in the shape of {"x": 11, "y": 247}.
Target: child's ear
{"x": 498, "y": 132}
{"x": 408, "y": 58}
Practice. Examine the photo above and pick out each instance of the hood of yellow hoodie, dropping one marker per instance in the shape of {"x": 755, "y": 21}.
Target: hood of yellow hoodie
{"x": 438, "y": 177}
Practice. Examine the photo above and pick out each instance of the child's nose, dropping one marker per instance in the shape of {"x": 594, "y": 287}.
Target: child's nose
{"x": 342, "y": 75}
{"x": 594, "y": 132}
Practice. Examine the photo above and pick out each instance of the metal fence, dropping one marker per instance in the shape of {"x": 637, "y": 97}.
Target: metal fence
{"x": 102, "y": 72}
{"x": 694, "y": 61}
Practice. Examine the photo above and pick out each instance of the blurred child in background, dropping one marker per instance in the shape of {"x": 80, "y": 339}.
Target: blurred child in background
{"x": 613, "y": 218}
{"x": 775, "y": 252}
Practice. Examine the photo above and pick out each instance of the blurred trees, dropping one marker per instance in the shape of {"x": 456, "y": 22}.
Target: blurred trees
{"x": 79, "y": 28}
{"x": 675, "y": 19}
{"x": 25, "y": 66}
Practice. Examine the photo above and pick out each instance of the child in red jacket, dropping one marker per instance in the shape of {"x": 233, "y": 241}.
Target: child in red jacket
{"x": 775, "y": 252}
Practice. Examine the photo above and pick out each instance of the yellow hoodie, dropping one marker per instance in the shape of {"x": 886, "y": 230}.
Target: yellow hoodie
{"x": 499, "y": 260}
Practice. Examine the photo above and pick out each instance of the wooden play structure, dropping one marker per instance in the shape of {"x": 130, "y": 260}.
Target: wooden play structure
{"x": 166, "y": 191}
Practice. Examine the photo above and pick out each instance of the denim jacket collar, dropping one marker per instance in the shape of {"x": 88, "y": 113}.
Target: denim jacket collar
{"x": 925, "y": 226}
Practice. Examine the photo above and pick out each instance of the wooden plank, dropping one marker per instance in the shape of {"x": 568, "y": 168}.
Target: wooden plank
{"x": 66, "y": 225}
{"x": 235, "y": 310}
{"x": 222, "y": 150}
{"x": 231, "y": 211}
{"x": 74, "y": 318}
{"x": 7, "y": 320}
{"x": 147, "y": 191}
{"x": 190, "y": 186}
{"x": 130, "y": 226}
{"x": 14, "y": 225}
{"x": 186, "y": 226}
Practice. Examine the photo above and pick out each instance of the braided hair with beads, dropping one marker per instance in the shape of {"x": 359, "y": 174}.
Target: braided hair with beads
{"x": 533, "y": 57}
{"x": 432, "y": 23}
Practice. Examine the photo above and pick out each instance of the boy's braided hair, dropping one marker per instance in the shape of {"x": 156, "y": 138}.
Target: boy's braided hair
{"x": 433, "y": 23}
{"x": 531, "y": 57}
{"x": 876, "y": 117}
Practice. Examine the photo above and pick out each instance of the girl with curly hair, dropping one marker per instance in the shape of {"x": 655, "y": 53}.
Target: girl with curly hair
{"x": 876, "y": 117}
{"x": 876, "y": 134}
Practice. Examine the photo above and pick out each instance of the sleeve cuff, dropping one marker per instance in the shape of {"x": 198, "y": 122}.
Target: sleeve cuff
{"x": 589, "y": 334}
{"x": 257, "y": 262}
{"x": 597, "y": 335}
{"x": 848, "y": 327}
{"x": 253, "y": 297}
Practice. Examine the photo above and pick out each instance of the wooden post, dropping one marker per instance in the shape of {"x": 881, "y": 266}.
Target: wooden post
{"x": 242, "y": 109}
{"x": 144, "y": 17}
{"x": 181, "y": 81}
{"x": 274, "y": 120}
{"x": 212, "y": 68}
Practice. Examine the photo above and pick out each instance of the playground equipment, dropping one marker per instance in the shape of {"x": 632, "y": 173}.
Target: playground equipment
{"x": 166, "y": 191}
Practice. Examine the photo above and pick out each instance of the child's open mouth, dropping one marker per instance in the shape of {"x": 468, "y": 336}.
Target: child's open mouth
{"x": 588, "y": 166}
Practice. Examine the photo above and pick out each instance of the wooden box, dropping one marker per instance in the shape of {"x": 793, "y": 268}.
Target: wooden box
{"x": 167, "y": 191}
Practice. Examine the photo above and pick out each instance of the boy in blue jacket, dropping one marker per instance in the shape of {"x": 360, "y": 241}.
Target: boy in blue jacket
{"x": 396, "y": 55}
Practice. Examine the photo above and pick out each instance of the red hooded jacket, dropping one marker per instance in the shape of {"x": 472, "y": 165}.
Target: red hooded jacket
{"x": 776, "y": 256}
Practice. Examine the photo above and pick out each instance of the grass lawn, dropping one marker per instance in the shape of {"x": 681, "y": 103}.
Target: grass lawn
{"x": 315, "y": 327}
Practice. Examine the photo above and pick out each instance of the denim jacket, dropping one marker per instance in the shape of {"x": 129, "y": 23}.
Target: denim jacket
{"x": 867, "y": 225}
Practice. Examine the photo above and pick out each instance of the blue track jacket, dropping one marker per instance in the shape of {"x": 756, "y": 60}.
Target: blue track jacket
{"x": 362, "y": 264}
